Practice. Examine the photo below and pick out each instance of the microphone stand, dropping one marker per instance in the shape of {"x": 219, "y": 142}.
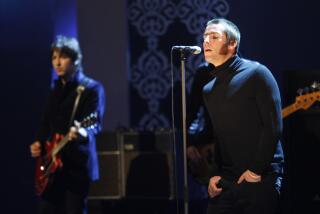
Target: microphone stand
{"x": 184, "y": 133}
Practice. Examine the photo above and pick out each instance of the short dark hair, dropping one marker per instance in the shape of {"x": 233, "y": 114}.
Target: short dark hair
{"x": 68, "y": 46}
{"x": 231, "y": 30}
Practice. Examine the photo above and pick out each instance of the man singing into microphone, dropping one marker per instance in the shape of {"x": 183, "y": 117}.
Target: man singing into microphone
{"x": 243, "y": 101}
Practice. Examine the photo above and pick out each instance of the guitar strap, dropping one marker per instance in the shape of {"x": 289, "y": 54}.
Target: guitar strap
{"x": 81, "y": 87}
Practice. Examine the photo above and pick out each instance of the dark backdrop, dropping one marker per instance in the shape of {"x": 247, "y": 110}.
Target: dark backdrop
{"x": 26, "y": 33}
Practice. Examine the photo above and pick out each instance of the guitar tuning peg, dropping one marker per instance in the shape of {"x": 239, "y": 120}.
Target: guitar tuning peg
{"x": 300, "y": 91}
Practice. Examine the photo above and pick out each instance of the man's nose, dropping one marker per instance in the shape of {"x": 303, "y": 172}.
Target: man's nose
{"x": 57, "y": 63}
{"x": 206, "y": 40}
{"x": 205, "y": 43}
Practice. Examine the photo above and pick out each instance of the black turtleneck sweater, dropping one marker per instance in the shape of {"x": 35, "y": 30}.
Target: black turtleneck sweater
{"x": 244, "y": 104}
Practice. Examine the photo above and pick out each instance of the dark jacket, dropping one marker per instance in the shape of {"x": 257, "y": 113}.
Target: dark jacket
{"x": 79, "y": 157}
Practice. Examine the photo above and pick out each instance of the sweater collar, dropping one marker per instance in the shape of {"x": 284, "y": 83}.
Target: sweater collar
{"x": 227, "y": 66}
{"x": 75, "y": 80}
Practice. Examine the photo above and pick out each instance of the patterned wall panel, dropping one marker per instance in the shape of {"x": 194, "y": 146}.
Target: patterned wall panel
{"x": 154, "y": 27}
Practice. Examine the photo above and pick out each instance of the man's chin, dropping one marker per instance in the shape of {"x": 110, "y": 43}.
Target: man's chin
{"x": 207, "y": 58}
{"x": 60, "y": 74}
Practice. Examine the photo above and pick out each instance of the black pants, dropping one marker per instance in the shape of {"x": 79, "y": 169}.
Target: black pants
{"x": 247, "y": 198}
{"x": 66, "y": 195}
{"x": 70, "y": 203}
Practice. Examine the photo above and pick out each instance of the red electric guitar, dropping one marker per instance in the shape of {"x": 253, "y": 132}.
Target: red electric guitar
{"x": 49, "y": 163}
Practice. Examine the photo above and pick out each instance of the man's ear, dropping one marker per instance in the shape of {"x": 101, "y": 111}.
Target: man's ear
{"x": 232, "y": 45}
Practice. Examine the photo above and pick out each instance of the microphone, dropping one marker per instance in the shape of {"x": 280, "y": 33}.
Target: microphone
{"x": 187, "y": 49}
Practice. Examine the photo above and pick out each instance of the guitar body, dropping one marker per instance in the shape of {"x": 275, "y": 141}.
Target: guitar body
{"x": 47, "y": 165}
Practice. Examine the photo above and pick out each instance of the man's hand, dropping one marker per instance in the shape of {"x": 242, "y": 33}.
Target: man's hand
{"x": 76, "y": 134}
{"x": 213, "y": 190}
{"x": 250, "y": 177}
{"x": 193, "y": 153}
{"x": 35, "y": 149}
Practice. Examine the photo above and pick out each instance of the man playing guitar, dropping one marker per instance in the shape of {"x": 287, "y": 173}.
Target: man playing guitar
{"x": 72, "y": 97}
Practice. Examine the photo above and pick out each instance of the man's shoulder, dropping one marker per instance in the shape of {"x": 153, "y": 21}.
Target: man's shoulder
{"x": 259, "y": 72}
{"x": 254, "y": 66}
{"x": 250, "y": 63}
{"x": 90, "y": 83}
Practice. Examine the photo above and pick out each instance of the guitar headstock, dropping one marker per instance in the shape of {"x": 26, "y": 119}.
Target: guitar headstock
{"x": 89, "y": 121}
{"x": 307, "y": 96}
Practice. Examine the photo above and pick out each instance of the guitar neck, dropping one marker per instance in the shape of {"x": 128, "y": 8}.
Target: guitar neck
{"x": 288, "y": 110}
{"x": 88, "y": 121}
{"x": 60, "y": 145}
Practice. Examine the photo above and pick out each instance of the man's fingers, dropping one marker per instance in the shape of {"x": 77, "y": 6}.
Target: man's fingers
{"x": 197, "y": 154}
{"x": 35, "y": 145}
{"x": 213, "y": 190}
{"x": 35, "y": 154}
{"x": 213, "y": 193}
{"x": 72, "y": 133}
{"x": 240, "y": 179}
{"x": 35, "y": 149}
{"x": 72, "y": 136}
{"x": 73, "y": 129}
{"x": 193, "y": 153}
